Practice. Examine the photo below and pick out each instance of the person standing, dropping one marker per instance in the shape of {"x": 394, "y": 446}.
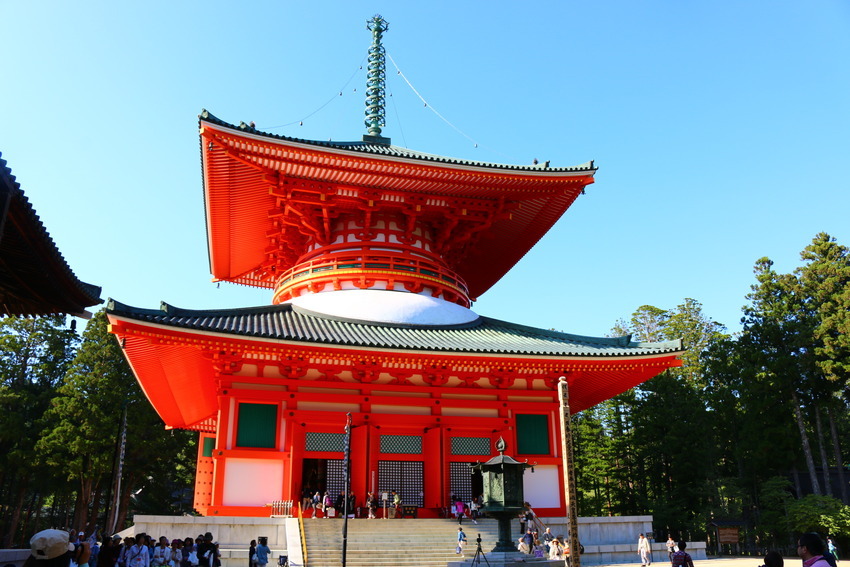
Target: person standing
{"x": 327, "y": 503}
{"x": 643, "y": 550}
{"x": 161, "y": 553}
{"x": 773, "y": 559}
{"x": 263, "y": 552}
{"x": 548, "y": 538}
{"x": 671, "y": 548}
{"x": 137, "y": 555}
{"x": 528, "y": 539}
{"x": 306, "y": 499}
{"x": 315, "y": 503}
{"x": 206, "y": 550}
{"x": 252, "y": 553}
{"x": 397, "y": 505}
{"x": 371, "y": 505}
{"x": 82, "y": 554}
{"x": 461, "y": 542}
{"x": 681, "y": 558}
{"x": 176, "y": 553}
{"x": 50, "y": 548}
{"x": 474, "y": 506}
{"x": 351, "y": 503}
{"x": 810, "y": 548}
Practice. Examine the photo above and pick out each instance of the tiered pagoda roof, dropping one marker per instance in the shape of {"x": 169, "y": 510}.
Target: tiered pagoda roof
{"x": 488, "y": 215}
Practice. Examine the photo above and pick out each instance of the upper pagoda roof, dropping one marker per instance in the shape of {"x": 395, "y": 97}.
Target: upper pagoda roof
{"x": 247, "y": 172}
{"x": 35, "y": 279}
{"x": 485, "y": 335}
{"x": 398, "y": 151}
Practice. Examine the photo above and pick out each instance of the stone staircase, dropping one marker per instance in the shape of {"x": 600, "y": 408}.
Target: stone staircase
{"x": 394, "y": 542}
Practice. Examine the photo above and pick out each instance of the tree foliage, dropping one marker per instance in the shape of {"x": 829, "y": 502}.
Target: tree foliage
{"x": 62, "y": 403}
{"x": 748, "y": 426}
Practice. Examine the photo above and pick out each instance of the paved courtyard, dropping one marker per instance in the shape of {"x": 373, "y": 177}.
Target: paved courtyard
{"x": 719, "y": 562}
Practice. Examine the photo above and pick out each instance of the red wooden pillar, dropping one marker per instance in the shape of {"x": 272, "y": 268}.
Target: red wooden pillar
{"x": 433, "y": 467}
{"x": 373, "y": 454}
{"x": 360, "y": 465}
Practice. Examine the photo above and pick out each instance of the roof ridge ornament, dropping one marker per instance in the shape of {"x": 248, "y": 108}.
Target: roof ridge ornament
{"x": 376, "y": 82}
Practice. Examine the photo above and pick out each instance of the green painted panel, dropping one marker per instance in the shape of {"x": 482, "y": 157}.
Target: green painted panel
{"x": 209, "y": 445}
{"x": 256, "y": 426}
{"x": 401, "y": 444}
{"x": 317, "y": 441}
{"x": 470, "y": 446}
{"x": 532, "y": 432}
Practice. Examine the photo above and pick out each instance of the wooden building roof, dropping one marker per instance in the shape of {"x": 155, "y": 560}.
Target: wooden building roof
{"x": 34, "y": 277}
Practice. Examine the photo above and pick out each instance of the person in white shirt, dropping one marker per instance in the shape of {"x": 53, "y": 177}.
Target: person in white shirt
{"x": 643, "y": 550}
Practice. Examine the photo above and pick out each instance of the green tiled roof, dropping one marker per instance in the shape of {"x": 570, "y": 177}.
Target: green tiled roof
{"x": 484, "y": 335}
{"x": 398, "y": 152}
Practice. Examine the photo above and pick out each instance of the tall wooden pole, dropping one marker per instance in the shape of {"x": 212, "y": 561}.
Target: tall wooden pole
{"x": 346, "y": 485}
{"x": 570, "y": 497}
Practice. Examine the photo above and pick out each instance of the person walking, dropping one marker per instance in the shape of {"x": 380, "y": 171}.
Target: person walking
{"x": 830, "y": 547}
{"x": 671, "y": 548}
{"x": 459, "y": 511}
{"x": 681, "y": 558}
{"x": 263, "y": 552}
{"x": 461, "y": 542}
{"x": 643, "y": 550}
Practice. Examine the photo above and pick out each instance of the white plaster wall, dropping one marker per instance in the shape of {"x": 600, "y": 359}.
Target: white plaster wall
{"x": 540, "y": 487}
{"x": 252, "y": 482}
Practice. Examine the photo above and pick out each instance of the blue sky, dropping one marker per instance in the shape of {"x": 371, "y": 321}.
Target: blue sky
{"x": 720, "y": 130}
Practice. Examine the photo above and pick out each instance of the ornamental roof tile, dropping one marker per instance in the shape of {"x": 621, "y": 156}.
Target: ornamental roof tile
{"x": 482, "y": 336}
{"x": 399, "y": 152}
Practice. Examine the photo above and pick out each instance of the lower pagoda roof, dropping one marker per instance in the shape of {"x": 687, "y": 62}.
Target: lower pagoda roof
{"x": 484, "y": 335}
{"x": 35, "y": 279}
{"x": 180, "y": 354}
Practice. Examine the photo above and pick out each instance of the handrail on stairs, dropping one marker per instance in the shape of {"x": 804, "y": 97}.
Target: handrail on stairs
{"x": 538, "y": 525}
{"x": 301, "y": 531}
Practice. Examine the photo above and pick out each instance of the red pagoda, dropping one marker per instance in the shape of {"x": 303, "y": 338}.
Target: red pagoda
{"x": 373, "y": 254}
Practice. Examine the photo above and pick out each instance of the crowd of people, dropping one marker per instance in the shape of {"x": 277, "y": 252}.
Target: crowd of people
{"x": 75, "y": 549}
{"x": 58, "y": 548}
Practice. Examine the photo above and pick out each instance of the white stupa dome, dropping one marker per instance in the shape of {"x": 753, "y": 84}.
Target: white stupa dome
{"x": 384, "y": 306}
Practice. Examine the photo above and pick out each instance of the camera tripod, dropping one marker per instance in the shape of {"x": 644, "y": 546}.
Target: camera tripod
{"x": 476, "y": 559}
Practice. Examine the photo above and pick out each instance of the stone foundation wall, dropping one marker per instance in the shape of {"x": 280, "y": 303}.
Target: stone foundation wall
{"x": 610, "y": 540}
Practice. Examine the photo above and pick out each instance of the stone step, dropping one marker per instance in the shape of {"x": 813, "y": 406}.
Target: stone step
{"x": 385, "y": 543}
